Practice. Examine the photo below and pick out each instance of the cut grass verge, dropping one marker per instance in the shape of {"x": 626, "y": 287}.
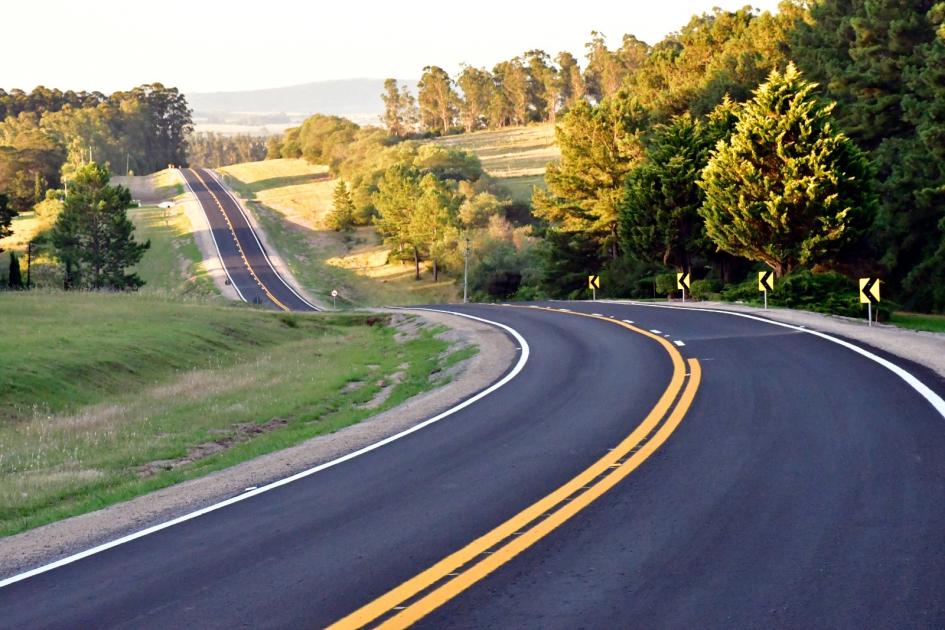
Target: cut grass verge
{"x": 107, "y": 397}
{"x": 173, "y": 264}
{"x": 919, "y": 321}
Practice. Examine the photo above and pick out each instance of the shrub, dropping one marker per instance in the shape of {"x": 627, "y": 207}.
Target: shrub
{"x": 707, "y": 289}
{"x": 666, "y": 283}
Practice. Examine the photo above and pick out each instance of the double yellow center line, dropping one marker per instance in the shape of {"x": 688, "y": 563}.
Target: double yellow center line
{"x": 420, "y": 595}
{"x": 238, "y": 245}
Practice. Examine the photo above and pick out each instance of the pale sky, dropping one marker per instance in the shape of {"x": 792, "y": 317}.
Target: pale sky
{"x": 204, "y": 46}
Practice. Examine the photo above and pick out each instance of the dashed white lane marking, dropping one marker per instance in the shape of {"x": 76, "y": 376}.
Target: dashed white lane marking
{"x": 658, "y": 332}
{"x": 596, "y": 314}
{"x": 629, "y": 321}
{"x": 679, "y": 343}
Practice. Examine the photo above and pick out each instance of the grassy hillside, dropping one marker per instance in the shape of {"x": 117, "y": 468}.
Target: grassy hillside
{"x": 106, "y": 396}
{"x": 516, "y": 156}
{"x": 291, "y": 199}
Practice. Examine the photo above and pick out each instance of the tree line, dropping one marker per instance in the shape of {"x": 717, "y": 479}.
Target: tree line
{"x": 212, "y": 150}
{"x": 46, "y": 135}
{"x": 806, "y": 140}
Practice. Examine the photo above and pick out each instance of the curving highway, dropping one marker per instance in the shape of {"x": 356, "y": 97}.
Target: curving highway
{"x": 646, "y": 467}
{"x": 244, "y": 259}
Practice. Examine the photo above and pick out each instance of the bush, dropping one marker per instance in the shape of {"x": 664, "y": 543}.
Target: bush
{"x": 828, "y": 292}
{"x": 707, "y": 289}
{"x": 666, "y": 283}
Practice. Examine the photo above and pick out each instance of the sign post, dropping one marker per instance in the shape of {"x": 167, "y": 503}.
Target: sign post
{"x": 869, "y": 295}
{"x": 593, "y": 283}
{"x": 765, "y": 284}
{"x": 682, "y": 283}
{"x": 334, "y": 299}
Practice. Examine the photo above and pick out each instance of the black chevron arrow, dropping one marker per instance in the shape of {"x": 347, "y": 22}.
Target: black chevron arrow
{"x": 868, "y": 290}
{"x": 765, "y": 281}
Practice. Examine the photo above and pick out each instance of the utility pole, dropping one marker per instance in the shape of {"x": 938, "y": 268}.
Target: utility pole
{"x": 466, "y": 271}
{"x": 127, "y": 163}
{"x": 29, "y": 263}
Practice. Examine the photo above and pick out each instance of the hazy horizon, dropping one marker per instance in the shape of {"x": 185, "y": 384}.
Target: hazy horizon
{"x": 199, "y": 48}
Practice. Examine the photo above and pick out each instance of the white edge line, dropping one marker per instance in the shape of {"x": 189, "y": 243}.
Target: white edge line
{"x": 256, "y": 238}
{"x": 522, "y": 360}
{"x": 933, "y": 399}
{"x": 215, "y": 245}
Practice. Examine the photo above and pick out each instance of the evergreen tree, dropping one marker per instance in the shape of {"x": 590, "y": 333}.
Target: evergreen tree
{"x": 437, "y": 100}
{"x": 477, "y": 88}
{"x": 786, "y": 188}
{"x": 924, "y": 107}
{"x": 659, "y": 215}
{"x": 6, "y": 217}
{"x": 93, "y": 236}
{"x": 15, "y": 279}
{"x": 398, "y": 194}
{"x": 341, "y": 218}
{"x": 599, "y": 146}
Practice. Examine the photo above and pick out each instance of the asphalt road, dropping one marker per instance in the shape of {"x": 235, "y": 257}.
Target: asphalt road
{"x": 804, "y": 487}
{"x": 241, "y": 252}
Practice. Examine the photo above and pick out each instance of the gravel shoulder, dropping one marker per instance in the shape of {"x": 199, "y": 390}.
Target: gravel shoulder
{"x": 925, "y": 348}
{"x": 57, "y": 540}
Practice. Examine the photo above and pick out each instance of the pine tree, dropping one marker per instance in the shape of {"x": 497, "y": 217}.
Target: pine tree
{"x": 599, "y": 146}
{"x": 341, "y": 218}
{"x": 6, "y": 216}
{"x": 659, "y": 215}
{"x": 15, "y": 279}
{"x": 93, "y": 237}
{"x": 786, "y": 188}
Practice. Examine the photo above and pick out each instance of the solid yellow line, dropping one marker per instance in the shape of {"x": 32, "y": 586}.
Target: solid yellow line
{"x": 239, "y": 246}
{"x": 457, "y": 585}
{"x": 441, "y": 569}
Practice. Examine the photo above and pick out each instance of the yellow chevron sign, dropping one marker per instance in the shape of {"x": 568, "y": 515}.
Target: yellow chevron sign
{"x": 869, "y": 290}
{"x": 593, "y": 282}
{"x": 766, "y": 280}
{"x": 682, "y": 281}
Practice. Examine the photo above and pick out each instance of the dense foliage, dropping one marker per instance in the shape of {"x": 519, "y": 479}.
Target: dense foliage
{"x": 46, "y": 135}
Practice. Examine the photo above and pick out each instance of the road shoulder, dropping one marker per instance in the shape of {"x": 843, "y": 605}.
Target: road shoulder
{"x": 57, "y": 540}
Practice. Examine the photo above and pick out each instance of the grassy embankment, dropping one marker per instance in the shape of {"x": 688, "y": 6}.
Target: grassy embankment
{"x": 296, "y": 194}
{"x": 105, "y": 397}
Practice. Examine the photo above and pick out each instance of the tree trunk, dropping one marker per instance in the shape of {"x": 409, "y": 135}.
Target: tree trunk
{"x": 416, "y": 262}
{"x": 436, "y": 271}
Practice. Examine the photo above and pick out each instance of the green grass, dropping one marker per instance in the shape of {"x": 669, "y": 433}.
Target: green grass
{"x": 104, "y": 397}
{"x": 173, "y": 264}
{"x": 919, "y": 321}
{"x": 520, "y": 188}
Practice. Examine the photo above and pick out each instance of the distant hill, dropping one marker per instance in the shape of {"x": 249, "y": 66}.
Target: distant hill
{"x": 341, "y": 97}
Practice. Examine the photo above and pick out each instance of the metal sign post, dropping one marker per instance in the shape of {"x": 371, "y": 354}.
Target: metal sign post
{"x": 334, "y": 299}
